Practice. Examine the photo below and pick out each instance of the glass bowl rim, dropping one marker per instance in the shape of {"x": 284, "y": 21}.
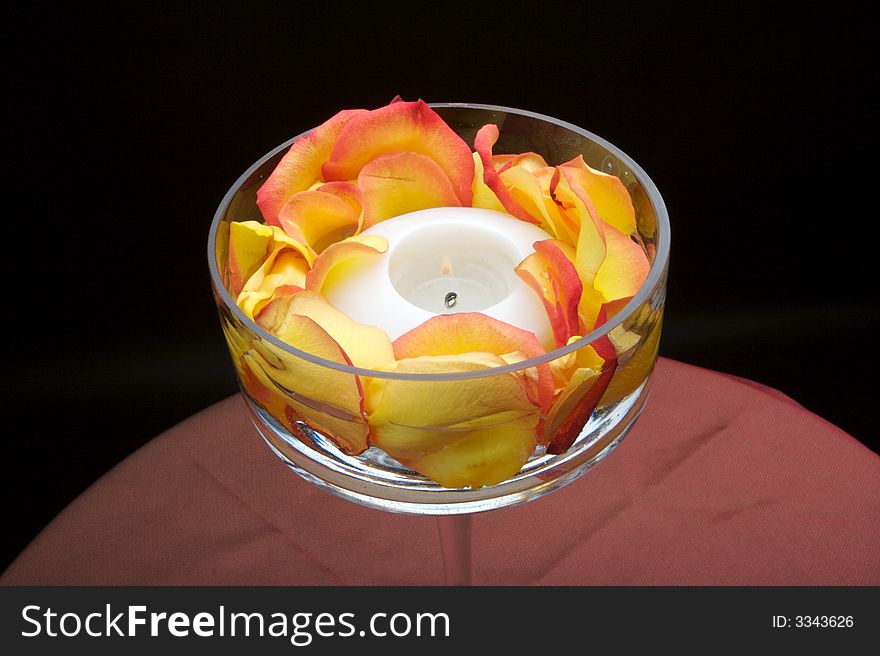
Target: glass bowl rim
{"x": 654, "y": 278}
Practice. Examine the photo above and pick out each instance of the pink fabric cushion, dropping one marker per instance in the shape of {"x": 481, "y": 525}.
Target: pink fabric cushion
{"x": 721, "y": 482}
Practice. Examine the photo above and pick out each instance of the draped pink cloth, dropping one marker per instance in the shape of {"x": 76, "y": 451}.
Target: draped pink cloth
{"x": 722, "y": 481}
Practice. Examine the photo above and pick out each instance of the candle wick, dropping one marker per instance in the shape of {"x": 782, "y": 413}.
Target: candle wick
{"x": 450, "y": 300}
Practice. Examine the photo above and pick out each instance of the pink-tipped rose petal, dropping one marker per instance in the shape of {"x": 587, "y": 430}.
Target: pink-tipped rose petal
{"x": 401, "y": 127}
{"x": 300, "y": 167}
{"x": 551, "y": 273}
{"x": 318, "y": 218}
{"x": 483, "y": 143}
{"x": 398, "y": 183}
{"x": 468, "y": 332}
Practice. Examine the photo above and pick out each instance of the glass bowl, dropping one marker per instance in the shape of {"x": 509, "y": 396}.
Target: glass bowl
{"x": 297, "y": 422}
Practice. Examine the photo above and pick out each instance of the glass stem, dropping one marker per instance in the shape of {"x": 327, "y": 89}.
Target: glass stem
{"x": 455, "y": 543}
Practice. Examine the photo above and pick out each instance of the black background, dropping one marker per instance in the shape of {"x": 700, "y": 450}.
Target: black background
{"x": 755, "y": 125}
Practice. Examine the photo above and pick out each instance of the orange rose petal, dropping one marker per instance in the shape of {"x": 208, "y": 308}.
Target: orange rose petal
{"x": 551, "y": 273}
{"x": 346, "y": 191}
{"x": 577, "y": 384}
{"x": 266, "y": 394}
{"x": 625, "y": 267}
{"x": 330, "y": 401}
{"x": 615, "y": 306}
{"x": 272, "y": 314}
{"x": 249, "y": 244}
{"x": 318, "y": 219}
{"x": 563, "y": 368}
{"x": 350, "y": 432}
{"x": 301, "y": 165}
{"x": 531, "y": 162}
{"x": 525, "y": 189}
{"x": 589, "y": 257}
{"x": 411, "y": 418}
{"x": 282, "y": 239}
{"x": 608, "y": 194}
{"x": 588, "y": 357}
{"x": 603, "y": 346}
{"x": 446, "y": 403}
{"x": 398, "y": 183}
{"x": 592, "y": 251}
{"x": 401, "y": 127}
{"x": 485, "y": 457}
{"x": 591, "y": 237}
{"x": 483, "y": 197}
{"x": 498, "y": 161}
{"x": 285, "y": 267}
{"x": 574, "y": 406}
{"x": 572, "y": 210}
{"x": 237, "y": 345}
{"x": 282, "y": 291}
{"x": 564, "y": 225}
{"x": 366, "y": 346}
{"x": 342, "y": 259}
{"x": 483, "y": 143}
{"x": 634, "y": 372}
{"x": 466, "y": 332}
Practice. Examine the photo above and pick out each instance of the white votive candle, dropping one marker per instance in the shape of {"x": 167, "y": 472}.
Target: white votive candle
{"x": 441, "y": 261}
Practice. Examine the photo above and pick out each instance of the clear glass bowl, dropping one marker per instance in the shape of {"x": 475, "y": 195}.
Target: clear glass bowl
{"x": 375, "y": 479}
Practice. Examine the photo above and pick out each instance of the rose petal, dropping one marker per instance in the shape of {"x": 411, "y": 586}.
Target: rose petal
{"x": 574, "y": 407}
{"x": 525, "y": 189}
{"x": 579, "y": 382}
{"x": 444, "y": 404}
{"x": 249, "y": 244}
{"x": 262, "y": 390}
{"x": 346, "y": 191}
{"x": 466, "y": 332}
{"x": 254, "y": 371}
{"x": 577, "y": 206}
{"x": 634, "y": 371}
{"x": 343, "y": 259}
{"x": 609, "y": 195}
{"x": 530, "y": 162}
{"x": 401, "y": 127}
{"x": 563, "y": 368}
{"x": 285, "y": 267}
{"x": 403, "y": 182}
{"x": 610, "y": 264}
{"x": 498, "y": 161}
{"x": 281, "y": 238}
{"x": 366, "y": 346}
{"x": 483, "y": 143}
{"x": 318, "y": 219}
{"x": 235, "y": 341}
{"x": 485, "y": 457}
{"x": 421, "y": 422}
{"x": 301, "y": 165}
{"x": 483, "y": 197}
{"x": 551, "y": 273}
{"x": 575, "y": 404}
{"x": 330, "y": 401}
{"x": 572, "y": 210}
{"x": 624, "y": 269}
